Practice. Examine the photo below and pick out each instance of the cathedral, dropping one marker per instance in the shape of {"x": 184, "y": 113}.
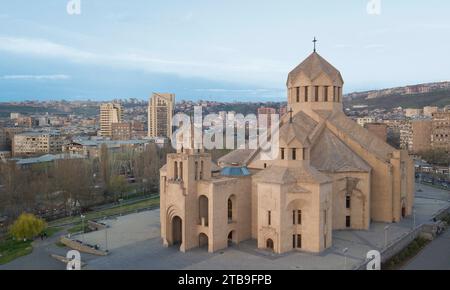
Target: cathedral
{"x": 330, "y": 174}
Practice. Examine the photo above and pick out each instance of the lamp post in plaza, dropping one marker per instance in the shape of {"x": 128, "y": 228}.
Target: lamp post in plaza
{"x": 82, "y": 227}
{"x": 345, "y": 251}
{"x": 386, "y": 229}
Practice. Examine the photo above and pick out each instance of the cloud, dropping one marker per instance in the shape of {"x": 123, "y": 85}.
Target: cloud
{"x": 36, "y": 77}
{"x": 39, "y": 47}
{"x": 237, "y": 70}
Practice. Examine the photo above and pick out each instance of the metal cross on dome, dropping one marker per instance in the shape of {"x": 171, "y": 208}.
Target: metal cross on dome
{"x": 315, "y": 41}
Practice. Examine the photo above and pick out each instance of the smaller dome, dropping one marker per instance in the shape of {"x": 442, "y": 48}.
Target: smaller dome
{"x": 313, "y": 67}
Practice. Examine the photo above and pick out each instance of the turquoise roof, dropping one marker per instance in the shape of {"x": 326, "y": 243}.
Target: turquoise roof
{"x": 235, "y": 171}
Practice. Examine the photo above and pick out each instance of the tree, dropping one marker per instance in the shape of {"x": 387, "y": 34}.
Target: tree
{"x": 27, "y": 226}
{"x": 118, "y": 185}
{"x": 436, "y": 156}
{"x": 105, "y": 170}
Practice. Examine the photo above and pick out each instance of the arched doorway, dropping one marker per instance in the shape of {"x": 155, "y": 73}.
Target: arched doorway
{"x": 270, "y": 245}
{"x": 203, "y": 241}
{"x": 232, "y": 238}
{"x": 404, "y": 212}
{"x": 177, "y": 231}
{"x": 203, "y": 204}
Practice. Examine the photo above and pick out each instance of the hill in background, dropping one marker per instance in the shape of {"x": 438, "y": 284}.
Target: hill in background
{"x": 418, "y": 96}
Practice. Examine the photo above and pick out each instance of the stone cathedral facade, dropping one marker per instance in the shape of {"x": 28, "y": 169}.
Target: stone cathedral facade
{"x": 330, "y": 174}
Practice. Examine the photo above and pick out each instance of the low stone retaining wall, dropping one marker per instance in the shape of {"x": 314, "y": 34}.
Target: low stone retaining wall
{"x": 79, "y": 246}
{"x": 96, "y": 226}
{"x": 427, "y": 231}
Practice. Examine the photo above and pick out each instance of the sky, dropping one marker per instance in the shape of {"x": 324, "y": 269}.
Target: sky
{"x": 233, "y": 50}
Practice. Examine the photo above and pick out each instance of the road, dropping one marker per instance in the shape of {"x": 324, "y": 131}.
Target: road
{"x": 436, "y": 256}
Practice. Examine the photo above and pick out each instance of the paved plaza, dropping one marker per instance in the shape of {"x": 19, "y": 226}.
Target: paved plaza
{"x": 134, "y": 243}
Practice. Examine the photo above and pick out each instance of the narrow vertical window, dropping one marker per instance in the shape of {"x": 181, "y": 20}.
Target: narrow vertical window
{"x": 316, "y": 94}
{"x": 299, "y": 217}
{"x": 304, "y": 154}
{"x": 201, "y": 170}
{"x": 293, "y": 241}
{"x": 294, "y": 154}
{"x": 299, "y": 241}
{"x": 348, "y": 201}
{"x": 175, "y": 170}
{"x": 325, "y": 93}
{"x": 181, "y": 170}
{"x": 297, "y": 89}
{"x": 325, "y": 217}
{"x": 282, "y": 153}
{"x": 348, "y": 222}
{"x": 269, "y": 218}
{"x": 306, "y": 94}
{"x": 196, "y": 170}
{"x": 293, "y": 217}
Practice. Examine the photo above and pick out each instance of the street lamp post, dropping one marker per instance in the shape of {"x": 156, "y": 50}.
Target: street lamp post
{"x": 386, "y": 228}
{"x": 82, "y": 227}
{"x": 121, "y": 206}
{"x": 414, "y": 217}
{"x": 345, "y": 251}
{"x": 106, "y": 238}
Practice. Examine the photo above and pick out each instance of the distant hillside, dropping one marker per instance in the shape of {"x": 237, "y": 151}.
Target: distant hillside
{"x": 417, "y": 96}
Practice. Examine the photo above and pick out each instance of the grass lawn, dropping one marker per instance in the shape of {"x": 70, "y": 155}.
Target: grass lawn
{"x": 52, "y": 231}
{"x": 11, "y": 250}
{"x": 407, "y": 254}
{"x": 128, "y": 208}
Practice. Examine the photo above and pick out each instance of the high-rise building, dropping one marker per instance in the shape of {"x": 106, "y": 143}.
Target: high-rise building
{"x": 421, "y": 135}
{"x": 160, "y": 113}
{"x": 440, "y": 138}
{"x": 109, "y": 114}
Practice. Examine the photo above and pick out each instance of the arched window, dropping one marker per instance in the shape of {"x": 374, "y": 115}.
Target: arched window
{"x": 348, "y": 201}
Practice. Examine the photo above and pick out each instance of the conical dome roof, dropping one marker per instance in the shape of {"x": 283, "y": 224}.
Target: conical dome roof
{"x": 313, "y": 67}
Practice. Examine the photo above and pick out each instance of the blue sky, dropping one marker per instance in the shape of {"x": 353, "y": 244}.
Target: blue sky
{"x": 226, "y": 50}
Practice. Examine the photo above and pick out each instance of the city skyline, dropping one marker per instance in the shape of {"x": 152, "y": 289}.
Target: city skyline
{"x": 195, "y": 52}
